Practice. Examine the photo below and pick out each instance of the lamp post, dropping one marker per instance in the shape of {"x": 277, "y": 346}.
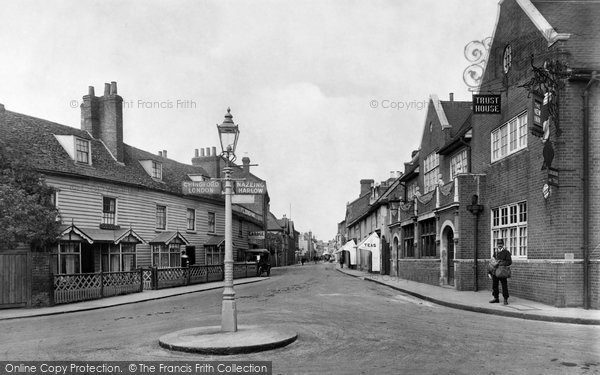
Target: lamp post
{"x": 228, "y": 135}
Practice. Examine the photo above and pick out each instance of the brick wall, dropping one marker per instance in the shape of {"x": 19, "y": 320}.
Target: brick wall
{"x": 422, "y": 270}
{"x": 41, "y": 280}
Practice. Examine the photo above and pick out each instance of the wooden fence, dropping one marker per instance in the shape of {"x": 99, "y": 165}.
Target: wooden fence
{"x": 86, "y": 286}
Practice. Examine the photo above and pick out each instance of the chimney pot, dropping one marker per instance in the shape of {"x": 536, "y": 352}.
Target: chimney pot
{"x": 202, "y": 152}
{"x": 208, "y": 151}
{"x": 214, "y": 151}
{"x": 196, "y": 152}
{"x": 451, "y": 96}
{"x": 165, "y": 153}
{"x": 91, "y": 91}
{"x": 160, "y": 153}
{"x": 113, "y": 88}
{"x": 106, "y": 89}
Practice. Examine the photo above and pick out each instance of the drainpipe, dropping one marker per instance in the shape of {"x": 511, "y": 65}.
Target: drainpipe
{"x": 475, "y": 209}
{"x": 586, "y": 189}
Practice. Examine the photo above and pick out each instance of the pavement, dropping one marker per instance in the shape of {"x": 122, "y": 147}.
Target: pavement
{"x": 479, "y": 301}
{"x": 146, "y": 295}
{"x": 446, "y": 296}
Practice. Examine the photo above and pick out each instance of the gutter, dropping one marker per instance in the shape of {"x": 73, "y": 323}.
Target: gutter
{"x": 591, "y": 77}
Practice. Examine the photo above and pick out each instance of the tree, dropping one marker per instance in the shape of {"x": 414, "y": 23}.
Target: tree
{"x": 27, "y": 212}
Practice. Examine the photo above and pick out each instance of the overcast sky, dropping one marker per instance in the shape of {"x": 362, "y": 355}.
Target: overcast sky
{"x": 311, "y": 83}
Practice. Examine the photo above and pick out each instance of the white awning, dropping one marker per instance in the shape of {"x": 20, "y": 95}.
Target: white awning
{"x": 371, "y": 244}
{"x": 350, "y": 247}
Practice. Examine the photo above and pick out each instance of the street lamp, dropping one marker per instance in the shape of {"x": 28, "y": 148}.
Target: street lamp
{"x": 228, "y": 135}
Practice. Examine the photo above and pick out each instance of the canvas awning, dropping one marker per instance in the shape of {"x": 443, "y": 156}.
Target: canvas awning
{"x": 350, "y": 247}
{"x": 371, "y": 244}
{"x": 96, "y": 235}
{"x": 169, "y": 237}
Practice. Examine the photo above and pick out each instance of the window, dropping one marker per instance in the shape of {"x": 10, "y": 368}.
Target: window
{"x": 211, "y": 222}
{"x": 68, "y": 258}
{"x": 82, "y": 151}
{"x": 408, "y": 238}
{"x": 109, "y": 206}
{"x": 431, "y": 172}
{"x": 428, "y": 237}
{"x": 458, "y": 164}
{"x": 156, "y": 170}
{"x": 510, "y": 224}
{"x": 161, "y": 217}
{"x": 164, "y": 255}
{"x": 191, "y": 219}
{"x": 215, "y": 255}
{"x": 411, "y": 190}
{"x": 510, "y": 137}
{"x": 118, "y": 258}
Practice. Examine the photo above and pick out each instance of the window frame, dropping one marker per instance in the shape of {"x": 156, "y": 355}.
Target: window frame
{"x": 509, "y": 222}
{"x": 211, "y": 222}
{"x": 408, "y": 241}
{"x": 156, "y": 168}
{"x": 79, "y": 153}
{"x": 428, "y": 237}
{"x": 108, "y": 217}
{"x": 459, "y": 163}
{"x": 121, "y": 253}
{"x": 509, "y": 137}
{"x": 163, "y": 217}
{"x": 191, "y": 220}
{"x": 431, "y": 169}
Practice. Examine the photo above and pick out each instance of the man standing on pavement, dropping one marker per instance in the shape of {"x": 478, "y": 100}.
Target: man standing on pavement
{"x": 504, "y": 261}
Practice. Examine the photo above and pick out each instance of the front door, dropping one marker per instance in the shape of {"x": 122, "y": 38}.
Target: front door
{"x": 450, "y": 242}
{"x": 385, "y": 256}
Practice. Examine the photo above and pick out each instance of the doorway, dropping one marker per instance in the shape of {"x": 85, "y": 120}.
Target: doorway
{"x": 449, "y": 234}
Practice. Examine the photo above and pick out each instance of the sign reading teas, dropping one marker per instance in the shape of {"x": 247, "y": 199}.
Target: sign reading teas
{"x": 250, "y": 187}
{"x": 486, "y": 104}
{"x": 201, "y": 187}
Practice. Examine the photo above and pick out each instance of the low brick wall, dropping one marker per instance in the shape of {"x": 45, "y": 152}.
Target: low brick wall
{"x": 41, "y": 280}
{"x": 421, "y": 270}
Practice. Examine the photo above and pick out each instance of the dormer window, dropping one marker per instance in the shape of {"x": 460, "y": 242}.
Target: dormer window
{"x": 153, "y": 168}
{"x": 156, "y": 170}
{"x": 82, "y": 151}
{"x": 79, "y": 149}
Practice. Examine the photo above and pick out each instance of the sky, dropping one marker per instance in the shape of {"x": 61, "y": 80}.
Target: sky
{"x": 325, "y": 92}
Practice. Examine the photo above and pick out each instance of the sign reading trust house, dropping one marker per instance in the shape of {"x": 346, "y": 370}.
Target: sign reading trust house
{"x": 486, "y": 104}
{"x": 250, "y": 187}
{"x": 201, "y": 187}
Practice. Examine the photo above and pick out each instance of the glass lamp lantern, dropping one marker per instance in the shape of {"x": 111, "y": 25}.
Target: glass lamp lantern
{"x": 228, "y": 135}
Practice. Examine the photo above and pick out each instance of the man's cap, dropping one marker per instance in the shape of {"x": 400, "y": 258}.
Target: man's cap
{"x": 500, "y": 242}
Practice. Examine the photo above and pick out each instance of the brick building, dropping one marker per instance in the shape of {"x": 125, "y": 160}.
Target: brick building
{"x": 524, "y": 175}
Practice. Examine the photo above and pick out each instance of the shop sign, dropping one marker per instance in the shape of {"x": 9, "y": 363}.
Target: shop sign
{"x": 201, "y": 187}
{"x": 486, "y": 104}
{"x": 256, "y": 235}
{"x": 250, "y": 187}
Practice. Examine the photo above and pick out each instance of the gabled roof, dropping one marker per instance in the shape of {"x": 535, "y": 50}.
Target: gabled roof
{"x": 273, "y": 223}
{"x": 356, "y": 209}
{"x": 578, "y": 23}
{"x": 35, "y": 138}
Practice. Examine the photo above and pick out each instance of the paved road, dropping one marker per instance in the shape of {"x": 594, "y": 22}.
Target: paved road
{"x": 345, "y": 325}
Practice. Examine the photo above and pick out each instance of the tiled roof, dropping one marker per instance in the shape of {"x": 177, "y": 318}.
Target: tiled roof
{"x": 581, "y": 20}
{"x": 457, "y": 113}
{"x": 34, "y": 138}
{"x": 273, "y": 223}
{"x": 357, "y": 208}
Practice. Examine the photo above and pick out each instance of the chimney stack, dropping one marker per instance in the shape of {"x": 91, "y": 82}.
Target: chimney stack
{"x": 246, "y": 165}
{"x": 365, "y": 186}
{"x": 102, "y": 117}
{"x": 209, "y": 161}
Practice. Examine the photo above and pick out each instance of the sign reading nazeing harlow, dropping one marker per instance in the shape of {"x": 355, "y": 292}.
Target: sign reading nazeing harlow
{"x": 250, "y": 187}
